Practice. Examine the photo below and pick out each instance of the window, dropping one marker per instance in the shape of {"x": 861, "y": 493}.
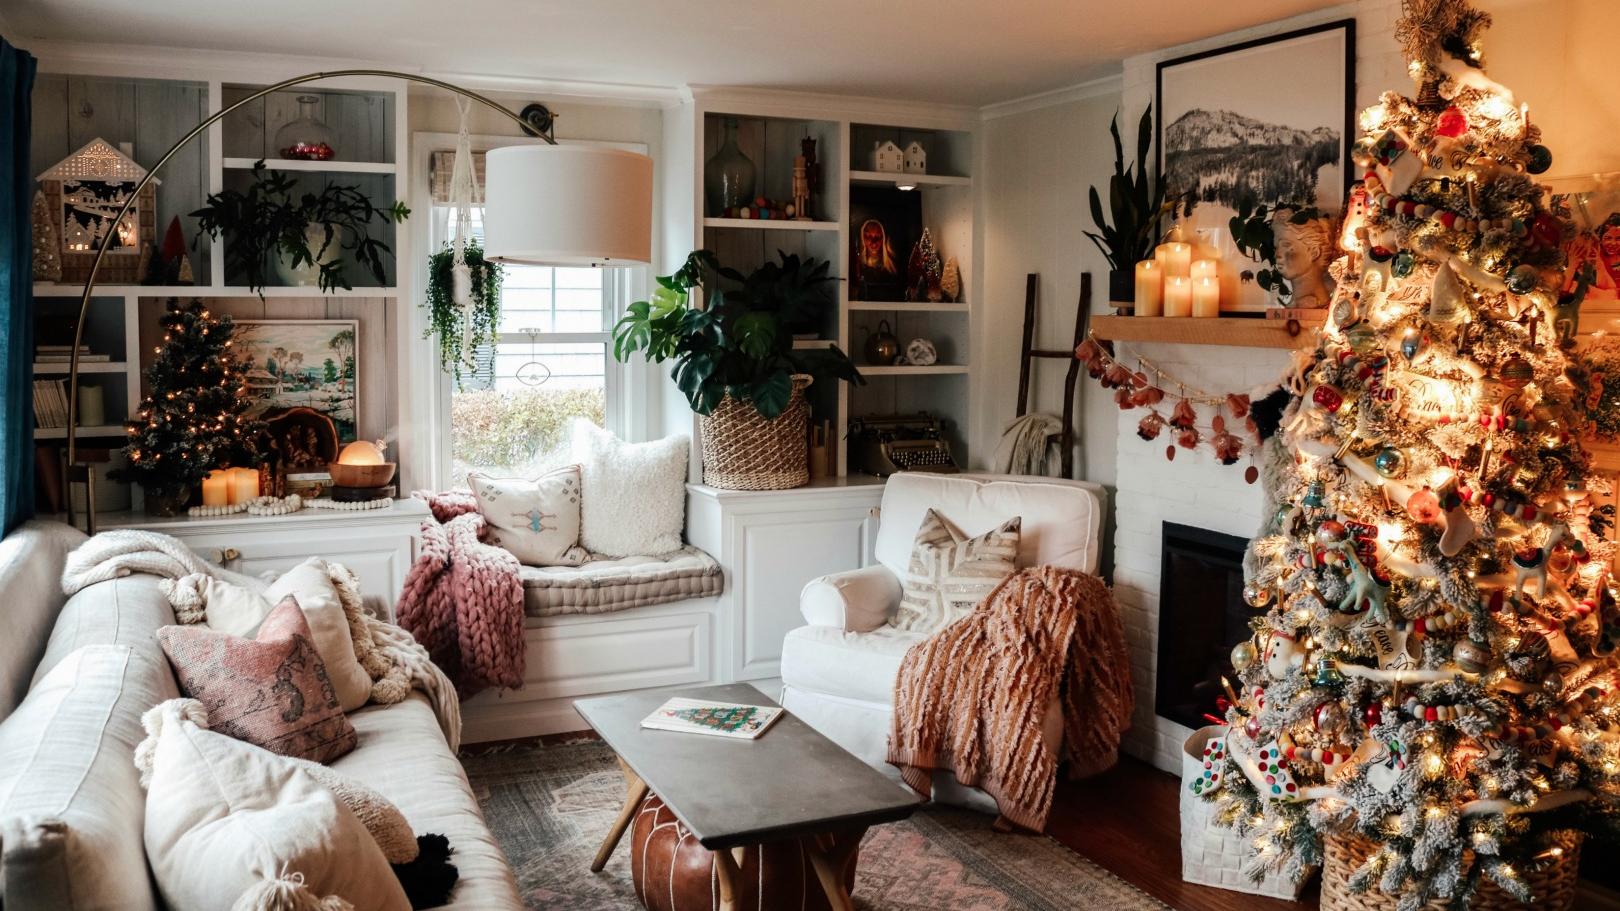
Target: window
{"x": 551, "y": 362}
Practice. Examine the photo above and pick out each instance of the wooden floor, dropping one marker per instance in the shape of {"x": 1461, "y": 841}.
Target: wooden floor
{"x": 1127, "y": 820}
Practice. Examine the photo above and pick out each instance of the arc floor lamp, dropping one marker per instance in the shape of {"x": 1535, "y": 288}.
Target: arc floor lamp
{"x": 551, "y": 205}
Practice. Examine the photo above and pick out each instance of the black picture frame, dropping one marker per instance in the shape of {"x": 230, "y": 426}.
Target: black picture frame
{"x": 1348, "y": 132}
{"x": 899, "y": 213}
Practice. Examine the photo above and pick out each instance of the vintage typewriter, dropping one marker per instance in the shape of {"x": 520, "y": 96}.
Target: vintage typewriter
{"x": 884, "y": 445}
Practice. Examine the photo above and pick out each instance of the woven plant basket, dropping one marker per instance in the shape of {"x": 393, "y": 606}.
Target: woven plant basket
{"x": 1553, "y": 885}
{"x": 744, "y": 451}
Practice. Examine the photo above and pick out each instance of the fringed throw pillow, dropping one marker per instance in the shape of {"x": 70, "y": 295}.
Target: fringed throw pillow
{"x": 272, "y": 691}
{"x": 950, "y": 573}
{"x": 538, "y": 520}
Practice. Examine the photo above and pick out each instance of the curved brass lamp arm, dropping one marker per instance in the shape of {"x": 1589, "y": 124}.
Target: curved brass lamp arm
{"x": 193, "y": 133}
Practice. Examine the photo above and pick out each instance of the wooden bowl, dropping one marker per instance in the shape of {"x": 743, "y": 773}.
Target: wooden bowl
{"x": 362, "y": 475}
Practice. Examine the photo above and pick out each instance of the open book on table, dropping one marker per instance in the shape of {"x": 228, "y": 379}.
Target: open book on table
{"x": 721, "y": 719}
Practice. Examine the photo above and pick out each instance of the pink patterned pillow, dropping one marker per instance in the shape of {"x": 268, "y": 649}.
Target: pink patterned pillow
{"x": 271, "y": 691}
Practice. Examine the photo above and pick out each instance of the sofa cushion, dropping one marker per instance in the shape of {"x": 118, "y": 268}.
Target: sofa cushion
{"x": 402, "y": 755}
{"x": 71, "y": 803}
{"x": 538, "y": 520}
{"x": 607, "y": 584}
{"x": 864, "y": 666}
{"x": 950, "y": 573}
{"x": 31, "y": 559}
{"x": 1061, "y": 519}
{"x": 635, "y": 493}
{"x": 128, "y": 610}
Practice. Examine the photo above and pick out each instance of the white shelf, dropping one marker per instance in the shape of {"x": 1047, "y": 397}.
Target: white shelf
{"x": 770, "y": 224}
{"x": 913, "y": 370}
{"x": 889, "y": 178}
{"x": 292, "y": 164}
{"x": 50, "y": 367}
{"x": 74, "y": 291}
{"x": 911, "y": 306}
{"x": 99, "y": 430}
{"x": 813, "y": 344}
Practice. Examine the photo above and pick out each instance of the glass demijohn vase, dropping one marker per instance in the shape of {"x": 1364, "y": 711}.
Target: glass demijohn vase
{"x": 306, "y": 138}
{"x": 728, "y": 177}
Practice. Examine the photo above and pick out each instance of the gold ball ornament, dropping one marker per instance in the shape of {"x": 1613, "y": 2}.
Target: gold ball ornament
{"x": 1516, "y": 372}
{"x": 1470, "y": 656}
{"x": 1244, "y": 655}
{"x": 1256, "y": 595}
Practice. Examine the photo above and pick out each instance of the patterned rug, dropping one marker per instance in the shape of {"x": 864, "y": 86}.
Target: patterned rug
{"x": 550, "y": 804}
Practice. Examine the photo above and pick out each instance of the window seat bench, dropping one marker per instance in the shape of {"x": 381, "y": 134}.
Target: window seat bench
{"x": 611, "y": 585}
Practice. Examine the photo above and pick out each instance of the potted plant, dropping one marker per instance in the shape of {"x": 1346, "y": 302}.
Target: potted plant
{"x": 736, "y": 364}
{"x": 462, "y": 331}
{"x": 307, "y": 238}
{"x": 1137, "y": 203}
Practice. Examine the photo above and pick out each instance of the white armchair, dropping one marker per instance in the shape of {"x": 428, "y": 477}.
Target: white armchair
{"x": 838, "y": 673}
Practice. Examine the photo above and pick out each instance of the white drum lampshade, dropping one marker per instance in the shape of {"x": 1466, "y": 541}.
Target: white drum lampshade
{"x": 567, "y": 205}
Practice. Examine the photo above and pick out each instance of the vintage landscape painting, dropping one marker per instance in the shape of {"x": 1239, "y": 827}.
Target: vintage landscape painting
{"x": 310, "y": 363}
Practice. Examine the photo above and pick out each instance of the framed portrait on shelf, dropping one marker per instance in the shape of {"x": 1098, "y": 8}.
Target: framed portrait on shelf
{"x": 884, "y": 225}
{"x": 303, "y": 364}
{"x": 1265, "y": 122}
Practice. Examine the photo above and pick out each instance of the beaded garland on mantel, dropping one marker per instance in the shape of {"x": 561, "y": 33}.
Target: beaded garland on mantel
{"x": 281, "y": 506}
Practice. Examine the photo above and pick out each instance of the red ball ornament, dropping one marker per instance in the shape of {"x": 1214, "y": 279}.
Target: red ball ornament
{"x": 1546, "y": 231}
{"x": 1452, "y": 123}
{"x": 1424, "y": 506}
{"x": 1375, "y": 714}
{"x": 1328, "y": 398}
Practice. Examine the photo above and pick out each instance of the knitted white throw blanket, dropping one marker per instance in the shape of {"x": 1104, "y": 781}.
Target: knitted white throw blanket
{"x": 395, "y": 661}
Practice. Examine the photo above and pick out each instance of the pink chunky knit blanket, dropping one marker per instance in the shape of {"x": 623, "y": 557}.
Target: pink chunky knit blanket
{"x": 463, "y": 599}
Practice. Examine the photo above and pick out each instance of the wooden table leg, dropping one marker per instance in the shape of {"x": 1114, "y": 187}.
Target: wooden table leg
{"x": 635, "y": 792}
{"x": 830, "y": 855}
{"x": 727, "y": 871}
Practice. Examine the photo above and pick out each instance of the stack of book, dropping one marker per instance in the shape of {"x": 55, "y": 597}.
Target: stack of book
{"x": 50, "y": 403}
{"x": 62, "y": 354}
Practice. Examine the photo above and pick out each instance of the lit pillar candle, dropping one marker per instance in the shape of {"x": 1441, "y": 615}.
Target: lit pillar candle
{"x": 1174, "y": 258}
{"x": 1206, "y": 296}
{"x": 1177, "y": 295}
{"x": 244, "y": 484}
{"x": 1149, "y": 288}
{"x": 1205, "y": 268}
{"x": 217, "y": 488}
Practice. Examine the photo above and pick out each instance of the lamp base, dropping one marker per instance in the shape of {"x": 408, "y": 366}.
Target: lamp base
{"x": 342, "y": 494}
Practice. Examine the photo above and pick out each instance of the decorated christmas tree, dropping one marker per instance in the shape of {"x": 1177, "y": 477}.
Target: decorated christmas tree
{"x": 194, "y": 418}
{"x": 1430, "y": 692}
{"x": 47, "y": 244}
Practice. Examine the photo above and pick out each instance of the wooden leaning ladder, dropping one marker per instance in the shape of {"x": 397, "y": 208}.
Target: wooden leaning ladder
{"x": 1083, "y": 313}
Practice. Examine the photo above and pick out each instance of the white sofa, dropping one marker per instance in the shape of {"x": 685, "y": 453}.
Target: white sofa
{"x": 401, "y": 752}
{"x": 838, "y": 672}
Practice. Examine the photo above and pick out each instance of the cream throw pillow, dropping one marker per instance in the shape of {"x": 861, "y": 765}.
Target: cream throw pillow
{"x": 224, "y": 818}
{"x": 238, "y": 611}
{"x": 951, "y": 573}
{"x": 635, "y": 493}
{"x": 538, "y": 520}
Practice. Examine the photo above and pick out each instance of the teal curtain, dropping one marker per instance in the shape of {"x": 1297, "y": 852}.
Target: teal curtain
{"x": 16, "y": 288}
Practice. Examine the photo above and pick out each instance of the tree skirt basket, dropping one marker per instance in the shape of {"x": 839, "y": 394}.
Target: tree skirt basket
{"x": 1210, "y": 854}
{"x": 744, "y": 451}
{"x": 1553, "y": 885}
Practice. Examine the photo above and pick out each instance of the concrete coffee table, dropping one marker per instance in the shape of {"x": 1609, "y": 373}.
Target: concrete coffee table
{"x": 791, "y": 783}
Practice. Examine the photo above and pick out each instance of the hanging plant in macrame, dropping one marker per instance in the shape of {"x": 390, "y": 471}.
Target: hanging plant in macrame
{"x": 463, "y": 330}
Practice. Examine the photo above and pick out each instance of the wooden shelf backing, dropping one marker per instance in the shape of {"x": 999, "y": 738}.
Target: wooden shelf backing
{"x": 913, "y": 370}
{"x": 294, "y": 164}
{"x": 770, "y": 224}
{"x": 889, "y": 178}
{"x": 911, "y": 306}
{"x": 1236, "y": 332}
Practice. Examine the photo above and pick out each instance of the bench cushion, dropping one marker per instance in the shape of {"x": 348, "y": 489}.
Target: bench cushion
{"x": 604, "y": 585}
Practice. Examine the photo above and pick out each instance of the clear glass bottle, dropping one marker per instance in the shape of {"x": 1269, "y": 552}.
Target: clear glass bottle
{"x": 728, "y": 177}
{"x": 307, "y": 138}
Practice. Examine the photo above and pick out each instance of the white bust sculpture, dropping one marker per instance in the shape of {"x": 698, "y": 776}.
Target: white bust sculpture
{"x": 1304, "y": 252}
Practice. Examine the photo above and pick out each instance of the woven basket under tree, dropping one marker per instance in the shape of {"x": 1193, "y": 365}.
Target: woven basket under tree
{"x": 1552, "y": 883}
{"x": 743, "y": 450}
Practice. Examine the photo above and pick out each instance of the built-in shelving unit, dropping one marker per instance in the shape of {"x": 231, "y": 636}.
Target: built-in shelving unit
{"x": 920, "y": 181}
{"x": 769, "y": 224}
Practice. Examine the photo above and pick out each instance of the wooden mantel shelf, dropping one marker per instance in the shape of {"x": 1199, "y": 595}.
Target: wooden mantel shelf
{"x": 1233, "y": 331}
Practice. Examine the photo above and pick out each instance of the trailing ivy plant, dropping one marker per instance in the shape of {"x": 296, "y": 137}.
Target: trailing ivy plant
{"x": 462, "y": 334}
{"x": 1254, "y": 235}
{"x": 266, "y": 221}
{"x": 741, "y": 343}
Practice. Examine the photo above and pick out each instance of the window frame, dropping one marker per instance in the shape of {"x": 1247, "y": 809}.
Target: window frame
{"x": 626, "y": 386}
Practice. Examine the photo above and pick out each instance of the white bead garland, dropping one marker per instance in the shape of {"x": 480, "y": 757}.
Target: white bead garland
{"x": 275, "y": 506}
{"x": 326, "y": 503}
{"x": 200, "y": 512}
{"x": 281, "y": 506}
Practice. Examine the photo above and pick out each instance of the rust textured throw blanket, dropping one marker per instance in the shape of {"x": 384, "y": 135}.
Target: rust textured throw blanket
{"x": 971, "y": 698}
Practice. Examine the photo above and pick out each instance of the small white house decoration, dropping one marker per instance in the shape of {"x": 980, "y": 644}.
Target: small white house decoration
{"x": 887, "y": 157}
{"x": 916, "y": 158}
{"x": 83, "y": 193}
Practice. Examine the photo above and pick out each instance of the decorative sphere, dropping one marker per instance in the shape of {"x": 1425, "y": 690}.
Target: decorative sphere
{"x": 1540, "y": 159}
{"x": 1403, "y": 264}
{"x": 1424, "y": 506}
{"x": 1244, "y": 655}
{"x": 1390, "y": 462}
{"x": 1553, "y": 684}
{"x": 1331, "y": 717}
{"x": 1472, "y": 657}
{"x": 1533, "y": 645}
{"x": 1413, "y": 342}
{"x": 1374, "y": 714}
{"x": 1452, "y": 123}
{"x": 1252, "y": 727}
{"x": 1256, "y": 595}
{"x": 1517, "y": 373}
{"x": 1522, "y": 280}
{"x": 1331, "y": 531}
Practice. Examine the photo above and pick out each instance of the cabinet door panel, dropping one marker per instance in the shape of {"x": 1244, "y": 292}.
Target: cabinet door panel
{"x": 779, "y": 554}
{"x": 379, "y": 561}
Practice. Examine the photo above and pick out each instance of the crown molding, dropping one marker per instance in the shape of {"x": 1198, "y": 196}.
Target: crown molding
{"x": 1091, "y": 88}
{"x": 831, "y": 106}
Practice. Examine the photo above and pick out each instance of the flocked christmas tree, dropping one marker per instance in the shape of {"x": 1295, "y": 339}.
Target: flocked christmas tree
{"x": 47, "y": 243}
{"x": 195, "y": 417}
{"x": 1433, "y": 676}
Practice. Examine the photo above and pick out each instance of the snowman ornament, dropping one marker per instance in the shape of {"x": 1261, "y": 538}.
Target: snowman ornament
{"x": 1282, "y": 655}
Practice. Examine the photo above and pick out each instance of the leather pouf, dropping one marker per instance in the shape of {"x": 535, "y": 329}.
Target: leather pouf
{"x": 672, "y": 872}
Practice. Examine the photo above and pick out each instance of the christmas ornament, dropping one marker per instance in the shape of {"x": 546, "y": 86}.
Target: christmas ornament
{"x": 1244, "y": 655}
{"x": 1282, "y": 655}
{"x": 1256, "y": 595}
{"x": 924, "y": 271}
{"x": 1251, "y": 727}
{"x": 1328, "y": 673}
{"x": 1393, "y": 161}
{"x": 47, "y": 244}
{"x": 1331, "y": 718}
{"x": 1331, "y": 532}
{"x": 1328, "y": 398}
{"x": 1516, "y": 373}
{"x": 1413, "y": 342}
{"x": 1214, "y": 761}
{"x": 1447, "y": 297}
{"x": 1471, "y": 656}
{"x": 1424, "y": 506}
{"x": 1451, "y": 123}
{"x": 1541, "y": 159}
{"x": 1522, "y": 279}
{"x": 1275, "y": 779}
{"x": 1402, "y": 265}
{"x": 1390, "y": 462}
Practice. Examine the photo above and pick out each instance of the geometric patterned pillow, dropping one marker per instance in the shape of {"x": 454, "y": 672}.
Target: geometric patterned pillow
{"x": 272, "y": 691}
{"x": 950, "y": 573}
{"x": 538, "y": 520}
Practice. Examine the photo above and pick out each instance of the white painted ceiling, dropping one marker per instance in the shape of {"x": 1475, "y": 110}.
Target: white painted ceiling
{"x": 972, "y": 52}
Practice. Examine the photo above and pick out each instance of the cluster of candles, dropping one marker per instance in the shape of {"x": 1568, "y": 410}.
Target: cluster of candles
{"x": 1172, "y": 283}
{"x": 230, "y": 486}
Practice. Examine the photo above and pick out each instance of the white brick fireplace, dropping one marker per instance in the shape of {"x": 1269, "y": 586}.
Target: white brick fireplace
{"x": 1194, "y": 489}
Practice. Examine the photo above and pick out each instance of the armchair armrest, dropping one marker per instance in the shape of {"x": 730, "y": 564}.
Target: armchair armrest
{"x": 857, "y": 601}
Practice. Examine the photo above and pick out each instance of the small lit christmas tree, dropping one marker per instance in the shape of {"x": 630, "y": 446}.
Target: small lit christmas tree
{"x": 1433, "y": 684}
{"x": 47, "y": 243}
{"x": 195, "y": 418}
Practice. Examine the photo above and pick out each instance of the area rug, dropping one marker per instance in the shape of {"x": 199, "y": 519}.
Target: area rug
{"x": 550, "y": 804}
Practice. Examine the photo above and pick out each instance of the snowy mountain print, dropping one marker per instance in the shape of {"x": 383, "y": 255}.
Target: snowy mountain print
{"x": 1230, "y": 159}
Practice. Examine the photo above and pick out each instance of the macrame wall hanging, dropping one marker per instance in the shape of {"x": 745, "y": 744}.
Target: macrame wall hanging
{"x": 463, "y": 196}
